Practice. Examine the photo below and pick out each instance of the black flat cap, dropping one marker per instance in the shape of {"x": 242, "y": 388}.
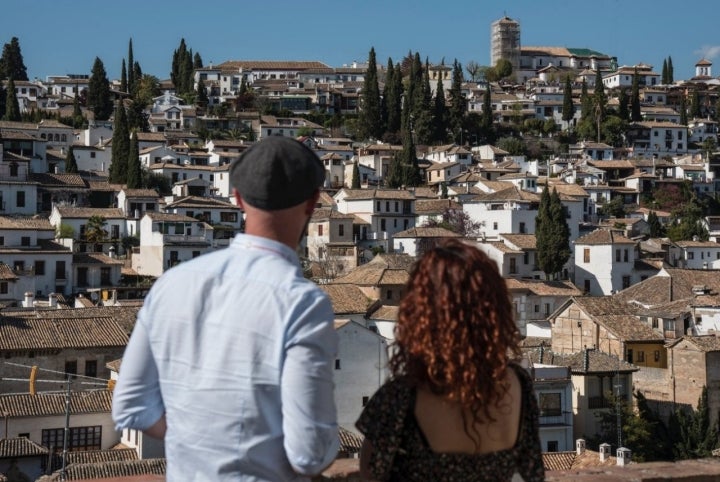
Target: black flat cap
{"x": 277, "y": 173}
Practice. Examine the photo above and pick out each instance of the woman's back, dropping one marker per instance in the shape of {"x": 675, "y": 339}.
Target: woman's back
{"x": 441, "y": 421}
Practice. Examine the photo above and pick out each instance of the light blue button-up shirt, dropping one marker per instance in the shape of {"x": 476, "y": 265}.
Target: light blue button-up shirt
{"x": 236, "y": 348}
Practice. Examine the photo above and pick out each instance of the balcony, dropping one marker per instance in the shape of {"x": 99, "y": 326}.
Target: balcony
{"x": 183, "y": 238}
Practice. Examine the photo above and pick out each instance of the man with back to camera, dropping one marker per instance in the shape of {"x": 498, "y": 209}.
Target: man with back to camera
{"x": 230, "y": 357}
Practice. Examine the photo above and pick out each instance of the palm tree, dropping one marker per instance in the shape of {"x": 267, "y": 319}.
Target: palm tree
{"x": 95, "y": 232}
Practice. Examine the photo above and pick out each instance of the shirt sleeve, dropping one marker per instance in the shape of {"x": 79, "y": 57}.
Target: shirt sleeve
{"x": 307, "y": 388}
{"x": 137, "y": 402}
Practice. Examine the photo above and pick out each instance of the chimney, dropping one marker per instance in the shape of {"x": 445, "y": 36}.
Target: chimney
{"x": 586, "y": 360}
{"x": 29, "y": 300}
{"x": 111, "y": 252}
{"x": 52, "y": 300}
{"x": 623, "y": 456}
{"x": 580, "y": 446}
{"x": 604, "y": 452}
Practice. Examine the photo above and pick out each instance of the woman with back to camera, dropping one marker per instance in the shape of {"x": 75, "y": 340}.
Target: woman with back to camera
{"x": 456, "y": 407}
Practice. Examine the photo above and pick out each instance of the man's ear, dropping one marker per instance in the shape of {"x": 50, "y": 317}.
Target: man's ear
{"x": 238, "y": 198}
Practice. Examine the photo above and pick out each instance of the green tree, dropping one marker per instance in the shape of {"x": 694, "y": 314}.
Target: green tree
{"x": 369, "y": 116}
{"x": 12, "y": 65}
{"x": 457, "y": 221}
{"x": 458, "y": 104}
{"x": 78, "y": 120}
{"x": 635, "y": 111}
{"x": 585, "y": 102}
{"x": 12, "y": 106}
{"x": 664, "y": 77}
{"x": 439, "y": 117}
{"x": 355, "y": 184}
{"x": 181, "y": 73}
{"x": 695, "y": 437}
{"x": 552, "y": 234}
{"x": 134, "y": 168}
{"x": 615, "y": 207}
{"x": 487, "y": 120}
{"x": 120, "y": 146}
{"x": 3, "y": 100}
{"x": 671, "y": 72}
{"x": 395, "y": 175}
{"x": 123, "y": 77}
{"x": 657, "y": 230}
{"x": 64, "y": 231}
{"x": 70, "y": 161}
{"x": 408, "y": 159}
{"x": 95, "y": 231}
{"x": 687, "y": 222}
{"x": 98, "y": 97}
{"x": 694, "y": 105}
{"x": 131, "y": 68}
{"x": 201, "y": 98}
{"x": 623, "y": 112}
{"x": 683, "y": 110}
{"x": 392, "y": 99}
{"x": 503, "y": 69}
{"x": 568, "y": 109}
{"x": 197, "y": 61}
{"x": 513, "y": 145}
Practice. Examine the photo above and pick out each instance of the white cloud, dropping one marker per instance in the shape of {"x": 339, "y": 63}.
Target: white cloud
{"x": 708, "y": 51}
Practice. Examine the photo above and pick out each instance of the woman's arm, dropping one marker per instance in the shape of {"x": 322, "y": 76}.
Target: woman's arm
{"x": 366, "y": 453}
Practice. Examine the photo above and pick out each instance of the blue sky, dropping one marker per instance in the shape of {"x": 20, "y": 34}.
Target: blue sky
{"x": 64, "y": 36}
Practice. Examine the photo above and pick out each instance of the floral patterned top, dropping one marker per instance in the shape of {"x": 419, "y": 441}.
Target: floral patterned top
{"x": 401, "y": 452}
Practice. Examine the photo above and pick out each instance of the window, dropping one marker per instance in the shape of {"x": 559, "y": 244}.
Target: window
{"x": 81, "y": 438}
{"x": 320, "y": 229}
{"x": 625, "y": 282}
{"x": 90, "y": 368}
{"x": 549, "y": 404}
{"x": 365, "y": 400}
{"x": 617, "y": 255}
{"x": 92, "y": 155}
{"x": 587, "y": 286}
{"x": 341, "y": 230}
{"x": 388, "y": 295}
{"x": 3, "y": 288}
{"x": 552, "y": 446}
{"x": 526, "y": 257}
{"x": 228, "y": 217}
{"x": 629, "y": 357}
{"x": 382, "y": 225}
{"x": 60, "y": 270}
{"x": 691, "y": 255}
{"x": 657, "y": 355}
{"x": 337, "y": 364}
{"x": 39, "y": 267}
{"x": 377, "y": 205}
{"x": 387, "y": 206}
{"x": 71, "y": 367}
{"x": 25, "y": 241}
{"x": 495, "y": 225}
{"x": 536, "y": 308}
{"x": 640, "y": 356}
{"x": 586, "y": 255}
{"x": 625, "y": 255}
{"x": 105, "y": 279}
{"x": 20, "y": 199}
{"x": 397, "y": 207}
{"x": 522, "y": 228}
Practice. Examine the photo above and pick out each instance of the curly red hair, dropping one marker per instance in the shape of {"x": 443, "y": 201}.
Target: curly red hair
{"x": 455, "y": 332}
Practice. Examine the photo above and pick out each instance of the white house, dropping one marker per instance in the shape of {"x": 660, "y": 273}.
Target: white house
{"x": 360, "y": 369}
{"x": 699, "y": 254}
{"x": 554, "y": 392}
{"x": 604, "y": 262}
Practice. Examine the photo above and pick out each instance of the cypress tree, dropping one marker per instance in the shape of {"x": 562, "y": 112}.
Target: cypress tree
{"x": 12, "y": 106}
{"x": 369, "y": 118}
{"x": 694, "y": 105}
{"x": 98, "y": 96}
{"x": 134, "y": 169}
{"x": 12, "y": 65}
{"x": 3, "y": 100}
{"x": 552, "y": 234}
{"x": 487, "y": 119}
{"x": 585, "y": 102}
{"x": 394, "y": 178}
{"x": 657, "y": 230}
{"x": 355, "y": 183}
{"x": 197, "y": 61}
{"x": 411, "y": 169}
{"x": 70, "y": 161}
{"x": 422, "y": 121}
{"x": 635, "y": 112}
{"x": 137, "y": 77}
{"x": 177, "y": 65}
{"x": 201, "y": 94}
{"x": 123, "y": 78}
{"x": 186, "y": 71}
{"x": 78, "y": 118}
{"x": 623, "y": 105}
{"x": 683, "y": 110}
{"x": 671, "y": 73}
{"x": 458, "y": 107}
{"x": 393, "y": 98}
{"x": 120, "y": 146}
{"x": 665, "y": 73}
{"x": 439, "y": 114}
{"x": 599, "y": 98}
{"x": 131, "y": 65}
{"x": 568, "y": 108}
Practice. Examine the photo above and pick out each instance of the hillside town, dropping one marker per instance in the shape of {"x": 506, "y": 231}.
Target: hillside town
{"x": 621, "y": 321}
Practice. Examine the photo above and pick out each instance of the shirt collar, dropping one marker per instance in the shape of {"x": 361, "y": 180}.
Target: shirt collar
{"x": 249, "y": 241}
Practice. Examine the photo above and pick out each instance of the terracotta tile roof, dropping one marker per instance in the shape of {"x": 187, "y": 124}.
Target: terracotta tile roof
{"x": 502, "y": 247}
{"x": 349, "y": 441}
{"x": 59, "y": 329}
{"x": 510, "y": 194}
{"x": 114, "y": 365}
{"x": 569, "y": 189}
{"x": 522, "y": 241}
{"x": 20, "y": 447}
{"x": 591, "y": 458}
{"x": 617, "y": 317}
{"x": 698, "y": 244}
{"x": 673, "y": 284}
{"x": 202, "y": 202}
{"x": 321, "y": 214}
{"x": 108, "y": 470}
{"x": 374, "y": 272}
{"x": 104, "y": 186}
{"x": 6, "y": 273}
{"x": 346, "y": 298}
{"x": 95, "y": 258}
{"x": 427, "y": 233}
{"x": 169, "y": 217}
{"x": 73, "y": 212}
{"x": 353, "y": 194}
{"x": 544, "y": 287}
{"x": 706, "y": 343}
{"x": 95, "y": 456}
{"x": 36, "y": 223}
{"x": 603, "y": 236}
{"x": 59, "y": 180}
{"x": 141, "y": 193}
{"x": 558, "y": 460}
{"x": 44, "y": 404}
{"x": 236, "y": 65}
{"x": 385, "y": 313}
{"x": 597, "y": 361}
{"x": 435, "y": 206}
